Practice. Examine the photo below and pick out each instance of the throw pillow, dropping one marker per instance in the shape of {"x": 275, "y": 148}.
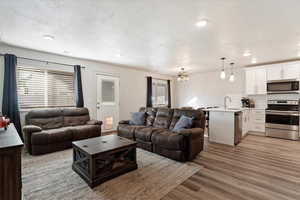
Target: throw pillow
{"x": 137, "y": 118}
{"x": 183, "y": 123}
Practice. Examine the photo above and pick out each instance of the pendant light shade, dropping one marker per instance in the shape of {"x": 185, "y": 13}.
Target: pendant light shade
{"x": 231, "y": 77}
{"x": 223, "y": 73}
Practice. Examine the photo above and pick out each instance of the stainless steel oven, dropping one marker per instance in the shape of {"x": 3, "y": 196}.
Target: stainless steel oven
{"x": 283, "y": 86}
{"x": 282, "y": 119}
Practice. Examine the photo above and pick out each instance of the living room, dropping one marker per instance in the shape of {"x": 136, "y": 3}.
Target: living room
{"x": 149, "y": 100}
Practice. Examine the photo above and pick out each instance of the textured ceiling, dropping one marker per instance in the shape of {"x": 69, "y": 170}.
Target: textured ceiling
{"x": 158, "y": 35}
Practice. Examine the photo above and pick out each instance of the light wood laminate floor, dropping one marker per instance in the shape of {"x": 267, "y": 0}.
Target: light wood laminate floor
{"x": 258, "y": 168}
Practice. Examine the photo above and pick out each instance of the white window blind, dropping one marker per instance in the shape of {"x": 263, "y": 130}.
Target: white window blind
{"x": 41, "y": 88}
{"x": 159, "y": 92}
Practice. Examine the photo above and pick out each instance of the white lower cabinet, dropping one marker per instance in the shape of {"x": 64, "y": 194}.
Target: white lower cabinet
{"x": 258, "y": 120}
{"x": 253, "y": 120}
{"x": 246, "y": 122}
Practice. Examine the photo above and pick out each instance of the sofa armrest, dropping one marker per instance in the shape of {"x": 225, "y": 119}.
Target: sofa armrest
{"x": 195, "y": 141}
{"x": 31, "y": 129}
{"x": 94, "y": 122}
{"x": 124, "y": 122}
{"x": 28, "y": 130}
{"x": 192, "y": 132}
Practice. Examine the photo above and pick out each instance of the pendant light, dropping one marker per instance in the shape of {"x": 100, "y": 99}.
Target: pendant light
{"x": 223, "y": 74}
{"x": 231, "y": 77}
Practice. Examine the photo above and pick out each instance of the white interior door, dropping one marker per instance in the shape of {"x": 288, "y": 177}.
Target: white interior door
{"x": 108, "y": 101}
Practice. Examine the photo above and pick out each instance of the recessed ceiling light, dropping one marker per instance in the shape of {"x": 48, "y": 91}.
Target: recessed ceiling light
{"x": 298, "y": 54}
{"x": 202, "y": 23}
{"x": 247, "y": 53}
{"x": 253, "y": 61}
{"x": 48, "y": 37}
{"x": 299, "y": 44}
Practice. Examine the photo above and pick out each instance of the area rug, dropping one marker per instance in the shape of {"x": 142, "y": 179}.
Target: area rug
{"x": 50, "y": 177}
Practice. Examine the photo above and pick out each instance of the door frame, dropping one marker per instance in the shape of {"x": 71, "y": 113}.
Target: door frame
{"x": 118, "y": 103}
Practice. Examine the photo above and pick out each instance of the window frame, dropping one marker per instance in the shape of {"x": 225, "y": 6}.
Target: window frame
{"x": 45, "y": 82}
{"x": 155, "y": 82}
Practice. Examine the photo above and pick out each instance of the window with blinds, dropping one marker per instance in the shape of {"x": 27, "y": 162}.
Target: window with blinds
{"x": 159, "y": 93}
{"x": 41, "y": 88}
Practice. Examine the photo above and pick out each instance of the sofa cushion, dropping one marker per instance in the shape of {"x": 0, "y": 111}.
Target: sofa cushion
{"x": 47, "y": 123}
{"x": 197, "y": 115}
{"x": 169, "y": 140}
{"x": 75, "y": 116}
{"x": 145, "y": 134}
{"x": 75, "y": 111}
{"x": 85, "y": 131}
{"x": 76, "y": 120}
{"x": 150, "y": 115}
{"x": 137, "y": 118}
{"x": 127, "y": 131}
{"x": 43, "y": 113}
{"x": 163, "y": 118}
{"x": 51, "y": 136}
{"x": 183, "y": 123}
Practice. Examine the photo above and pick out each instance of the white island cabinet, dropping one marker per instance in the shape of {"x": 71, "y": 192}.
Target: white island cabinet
{"x": 225, "y": 126}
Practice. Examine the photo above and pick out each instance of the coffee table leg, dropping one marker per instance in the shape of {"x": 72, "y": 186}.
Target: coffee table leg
{"x": 91, "y": 171}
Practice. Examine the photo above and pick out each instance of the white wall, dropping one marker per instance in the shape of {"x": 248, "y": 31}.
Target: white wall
{"x": 207, "y": 89}
{"x": 132, "y": 82}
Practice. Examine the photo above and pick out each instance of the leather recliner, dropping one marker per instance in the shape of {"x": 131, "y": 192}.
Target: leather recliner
{"x": 49, "y": 130}
{"x": 156, "y": 134}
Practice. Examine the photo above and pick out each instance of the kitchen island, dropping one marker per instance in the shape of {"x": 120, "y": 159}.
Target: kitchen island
{"x": 225, "y": 125}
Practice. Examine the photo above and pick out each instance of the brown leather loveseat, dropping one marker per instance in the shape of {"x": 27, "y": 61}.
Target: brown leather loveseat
{"x": 156, "y": 134}
{"x": 49, "y": 130}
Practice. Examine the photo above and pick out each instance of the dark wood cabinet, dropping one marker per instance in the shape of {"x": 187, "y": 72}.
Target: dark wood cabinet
{"x": 10, "y": 164}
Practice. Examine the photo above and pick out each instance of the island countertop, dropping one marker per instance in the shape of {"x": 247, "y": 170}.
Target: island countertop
{"x": 225, "y": 110}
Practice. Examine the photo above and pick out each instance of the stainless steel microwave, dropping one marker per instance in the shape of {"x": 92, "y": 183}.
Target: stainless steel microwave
{"x": 283, "y": 86}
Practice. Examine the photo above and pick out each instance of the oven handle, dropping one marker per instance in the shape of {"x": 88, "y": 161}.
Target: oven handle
{"x": 281, "y": 113}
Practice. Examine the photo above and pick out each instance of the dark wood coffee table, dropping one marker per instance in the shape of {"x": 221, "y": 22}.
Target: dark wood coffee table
{"x": 102, "y": 158}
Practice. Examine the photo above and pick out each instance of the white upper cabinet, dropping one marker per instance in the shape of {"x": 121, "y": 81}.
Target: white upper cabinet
{"x": 250, "y": 82}
{"x": 274, "y": 72}
{"x": 291, "y": 70}
{"x": 283, "y": 71}
{"x": 256, "y": 81}
{"x": 261, "y": 81}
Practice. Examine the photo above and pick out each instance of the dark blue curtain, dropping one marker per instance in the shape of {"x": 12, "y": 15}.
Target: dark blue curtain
{"x": 10, "y": 105}
{"x": 169, "y": 94}
{"x": 149, "y": 92}
{"x": 78, "y": 86}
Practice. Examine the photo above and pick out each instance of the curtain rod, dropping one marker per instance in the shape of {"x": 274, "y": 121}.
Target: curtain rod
{"x": 46, "y": 61}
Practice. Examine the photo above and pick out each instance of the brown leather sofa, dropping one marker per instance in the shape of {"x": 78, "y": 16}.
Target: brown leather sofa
{"x": 49, "y": 130}
{"x": 156, "y": 134}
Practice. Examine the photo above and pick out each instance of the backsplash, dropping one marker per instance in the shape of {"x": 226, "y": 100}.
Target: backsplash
{"x": 260, "y": 101}
{"x": 235, "y": 100}
{"x": 283, "y": 97}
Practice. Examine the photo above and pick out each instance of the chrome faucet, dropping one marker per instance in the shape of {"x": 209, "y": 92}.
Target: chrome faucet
{"x": 225, "y": 101}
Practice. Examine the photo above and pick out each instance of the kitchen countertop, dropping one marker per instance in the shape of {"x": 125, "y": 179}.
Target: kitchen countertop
{"x": 222, "y": 109}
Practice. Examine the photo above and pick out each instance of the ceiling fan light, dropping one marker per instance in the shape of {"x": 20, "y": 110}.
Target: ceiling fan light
{"x": 182, "y": 76}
